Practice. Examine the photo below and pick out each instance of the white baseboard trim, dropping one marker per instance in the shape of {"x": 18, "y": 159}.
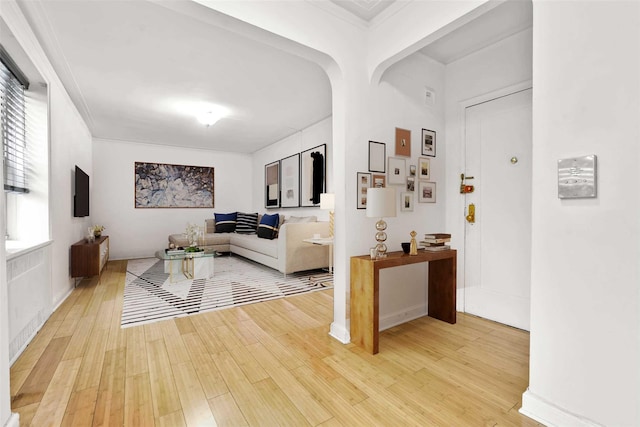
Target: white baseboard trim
{"x": 549, "y": 414}
{"x": 340, "y": 333}
{"x": 400, "y": 317}
{"x": 13, "y": 421}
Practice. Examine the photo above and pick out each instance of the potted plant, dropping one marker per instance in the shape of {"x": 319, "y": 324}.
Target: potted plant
{"x": 97, "y": 230}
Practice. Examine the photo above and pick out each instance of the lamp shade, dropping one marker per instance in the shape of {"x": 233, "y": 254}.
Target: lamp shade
{"x": 381, "y": 202}
{"x": 327, "y": 201}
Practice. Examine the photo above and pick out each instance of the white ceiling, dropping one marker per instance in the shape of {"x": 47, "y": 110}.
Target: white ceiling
{"x": 133, "y": 68}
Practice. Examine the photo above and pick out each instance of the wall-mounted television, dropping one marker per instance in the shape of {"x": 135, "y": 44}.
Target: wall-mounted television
{"x": 81, "y": 197}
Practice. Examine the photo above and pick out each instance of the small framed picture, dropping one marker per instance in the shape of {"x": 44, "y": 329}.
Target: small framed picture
{"x": 411, "y": 183}
{"x": 426, "y": 192}
{"x": 363, "y": 184}
{"x": 377, "y": 154}
{"x": 403, "y": 142}
{"x": 412, "y": 170}
{"x": 424, "y": 168}
{"x": 406, "y": 202}
{"x": 428, "y": 142}
{"x": 397, "y": 171}
{"x": 378, "y": 181}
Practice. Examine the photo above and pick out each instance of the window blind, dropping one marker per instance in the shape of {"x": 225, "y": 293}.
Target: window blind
{"x": 13, "y": 129}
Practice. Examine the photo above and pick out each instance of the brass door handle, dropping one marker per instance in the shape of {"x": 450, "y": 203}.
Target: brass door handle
{"x": 471, "y": 215}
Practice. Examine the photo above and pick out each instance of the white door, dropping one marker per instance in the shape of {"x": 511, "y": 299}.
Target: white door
{"x": 498, "y": 243}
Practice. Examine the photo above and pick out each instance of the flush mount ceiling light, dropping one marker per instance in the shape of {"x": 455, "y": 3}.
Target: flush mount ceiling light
{"x": 211, "y": 116}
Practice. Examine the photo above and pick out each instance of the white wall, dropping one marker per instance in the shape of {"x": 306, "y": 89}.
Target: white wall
{"x": 317, "y": 134}
{"x": 476, "y": 77}
{"x": 585, "y": 326}
{"x": 136, "y": 233}
{"x": 70, "y": 144}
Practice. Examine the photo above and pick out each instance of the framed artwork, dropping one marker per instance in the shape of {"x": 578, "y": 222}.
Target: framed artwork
{"x": 397, "y": 171}
{"x": 364, "y": 182}
{"x": 377, "y": 155}
{"x": 412, "y": 170}
{"x": 424, "y": 168}
{"x": 403, "y": 142}
{"x": 378, "y": 181}
{"x": 272, "y": 185}
{"x": 406, "y": 202}
{"x": 160, "y": 185}
{"x": 313, "y": 167}
{"x": 426, "y": 192}
{"x": 411, "y": 183}
{"x": 290, "y": 181}
{"x": 428, "y": 142}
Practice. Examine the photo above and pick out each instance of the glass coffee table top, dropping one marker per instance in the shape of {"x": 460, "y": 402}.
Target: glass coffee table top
{"x": 171, "y": 255}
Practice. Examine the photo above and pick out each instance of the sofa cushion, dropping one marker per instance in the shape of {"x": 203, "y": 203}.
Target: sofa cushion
{"x": 247, "y": 223}
{"x": 251, "y": 242}
{"x": 299, "y": 219}
{"x": 268, "y": 227}
{"x": 225, "y": 223}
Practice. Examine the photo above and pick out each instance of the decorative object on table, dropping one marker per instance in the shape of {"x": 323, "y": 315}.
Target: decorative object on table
{"x": 290, "y": 173}
{"x": 428, "y": 142}
{"x": 378, "y": 181}
{"x": 406, "y": 202}
{"x": 159, "y": 185}
{"x": 192, "y": 233}
{"x": 403, "y": 142}
{"x": 381, "y": 203}
{"x": 413, "y": 247}
{"x": 397, "y": 171}
{"x": 436, "y": 241}
{"x": 312, "y": 175}
{"x": 424, "y": 168}
{"x": 328, "y": 203}
{"x": 90, "y": 236}
{"x": 426, "y": 192}
{"x": 377, "y": 156}
{"x": 363, "y": 184}
{"x": 97, "y": 230}
{"x": 272, "y": 185}
{"x": 406, "y": 246}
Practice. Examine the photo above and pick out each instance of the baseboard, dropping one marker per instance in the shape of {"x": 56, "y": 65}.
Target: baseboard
{"x": 13, "y": 421}
{"x": 340, "y": 333}
{"x": 549, "y": 414}
{"x": 400, "y": 317}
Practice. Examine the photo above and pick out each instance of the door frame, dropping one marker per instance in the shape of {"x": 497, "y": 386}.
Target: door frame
{"x": 458, "y": 205}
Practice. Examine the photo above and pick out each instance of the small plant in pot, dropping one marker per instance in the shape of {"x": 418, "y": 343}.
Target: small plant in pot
{"x": 97, "y": 230}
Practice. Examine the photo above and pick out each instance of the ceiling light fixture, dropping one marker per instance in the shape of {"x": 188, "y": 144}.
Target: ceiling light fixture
{"x": 209, "y": 118}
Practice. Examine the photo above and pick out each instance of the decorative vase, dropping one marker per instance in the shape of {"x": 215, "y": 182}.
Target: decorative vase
{"x": 97, "y": 234}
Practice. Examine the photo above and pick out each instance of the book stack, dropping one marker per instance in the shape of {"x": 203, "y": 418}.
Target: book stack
{"x": 436, "y": 242}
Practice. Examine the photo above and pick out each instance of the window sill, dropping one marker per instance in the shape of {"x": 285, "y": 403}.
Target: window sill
{"x": 16, "y": 248}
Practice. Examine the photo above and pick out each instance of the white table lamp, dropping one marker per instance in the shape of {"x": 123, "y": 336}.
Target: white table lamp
{"x": 328, "y": 202}
{"x": 381, "y": 203}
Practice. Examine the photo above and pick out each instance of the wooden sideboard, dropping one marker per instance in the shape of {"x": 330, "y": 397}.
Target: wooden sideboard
{"x": 365, "y": 296}
{"x": 88, "y": 258}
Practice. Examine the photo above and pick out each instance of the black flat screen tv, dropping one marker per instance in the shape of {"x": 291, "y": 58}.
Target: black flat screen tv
{"x": 81, "y": 197}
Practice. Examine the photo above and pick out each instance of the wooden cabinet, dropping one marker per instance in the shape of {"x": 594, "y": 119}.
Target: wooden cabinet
{"x": 88, "y": 259}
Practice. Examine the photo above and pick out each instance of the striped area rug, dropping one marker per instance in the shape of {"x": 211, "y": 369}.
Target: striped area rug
{"x": 149, "y": 295}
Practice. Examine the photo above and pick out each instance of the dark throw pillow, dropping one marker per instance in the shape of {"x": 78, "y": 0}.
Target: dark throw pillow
{"x": 268, "y": 228}
{"x": 225, "y": 223}
{"x": 247, "y": 223}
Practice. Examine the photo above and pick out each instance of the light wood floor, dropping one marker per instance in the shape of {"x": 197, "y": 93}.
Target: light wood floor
{"x": 265, "y": 364}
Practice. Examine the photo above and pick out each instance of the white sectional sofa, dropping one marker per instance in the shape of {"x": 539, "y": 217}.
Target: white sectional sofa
{"x": 286, "y": 253}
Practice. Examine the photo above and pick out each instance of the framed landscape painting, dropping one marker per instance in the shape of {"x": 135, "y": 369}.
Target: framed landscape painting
{"x": 161, "y": 185}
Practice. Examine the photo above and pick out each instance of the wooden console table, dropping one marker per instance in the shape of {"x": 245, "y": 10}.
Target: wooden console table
{"x": 89, "y": 258}
{"x": 365, "y": 297}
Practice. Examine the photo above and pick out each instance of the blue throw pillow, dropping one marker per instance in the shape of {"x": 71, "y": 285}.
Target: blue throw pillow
{"x": 268, "y": 228}
{"x": 225, "y": 223}
{"x": 247, "y": 223}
